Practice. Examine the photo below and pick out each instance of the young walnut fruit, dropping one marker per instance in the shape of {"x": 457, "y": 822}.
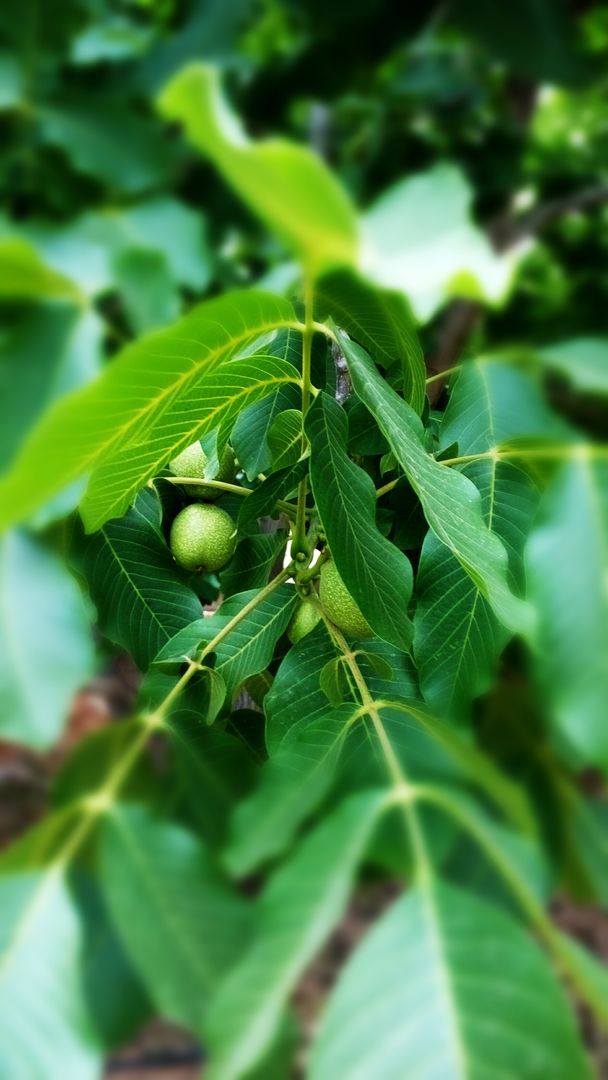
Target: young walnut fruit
{"x": 339, "y": 605}
{"x": 192, "y": 461}
{"x": 203, "y": 537}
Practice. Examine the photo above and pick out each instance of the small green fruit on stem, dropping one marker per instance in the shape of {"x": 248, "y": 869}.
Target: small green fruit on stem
{"x": 192, "y": 462}
{"x": 203, "y": 537}
{"x": 338, "y": 604}
{"x": 304, "y": 619}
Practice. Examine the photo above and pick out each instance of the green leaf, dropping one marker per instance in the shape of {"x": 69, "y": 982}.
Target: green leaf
{"x": 213, "y": 768}
{"x": 377, "y": 575}
{"x": 583, "y": 362}
{"x": 92, "y": 760}
{"x": 141, "y": 387}
{"x": 333, "y": 681}
{"x": 588, "y": 820}
{"x": 146, "y": 290}
{"x": 11, "y": 81}
{"x": 218, "y": 399}
{"x": 252, "y": 562}
{"x": 296, "y": 698}
{"x": 447, "y": 985}
{"x": 216, "y": 694}
{"x": 116, "y": 1000}
{"x": 297, "y": 910}
{"x": 457, "y": 637}
{"x": 249, "y": 646}
{"x": 520, "y": 875}
{"x": 252, "y": 428}
{"x": 492, "y": 403}
{"x": 46, "y": 1031}
{"x": 170, "y": 228}
{"x": 586, "y": 971}
{"x": 289, "y": 188}
{"x": 24, "y": 275}
{"x": 418, "y": 237}
{"x": 250, "y": 433}
{"x": 451, "y": 503}
{"x": 263, "y": 499}
{"x": 291, "y": 785}
{"x": 379, "y": 664}
{"x": 381, "y": 321}
{"x": 88, "y": 249}
{"x": 567, "y": 569}
{"x": 364, "y": 435}
{"x": 48, "y": 351}
{"x": 208, "y": 28}
{"x": 88, "y": 130}
{"x": 180, "y": 923}
{"x": 46, "y": 650}
{"x": 140, "y": 595}
{"x": 285, "y": 438}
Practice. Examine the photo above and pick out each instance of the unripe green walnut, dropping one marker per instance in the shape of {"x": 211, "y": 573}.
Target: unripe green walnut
{"x": 192, "y": 462}
{"x": 303, "y": 620}
{"x": 339, "y": 605}
{"x": 203, "y": 537}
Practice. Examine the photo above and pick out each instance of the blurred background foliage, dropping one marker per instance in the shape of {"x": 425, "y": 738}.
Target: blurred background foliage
{"x": 473, "y": 136}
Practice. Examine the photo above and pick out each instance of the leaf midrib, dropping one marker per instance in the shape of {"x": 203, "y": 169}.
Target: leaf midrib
{"x": 193, "y": 957}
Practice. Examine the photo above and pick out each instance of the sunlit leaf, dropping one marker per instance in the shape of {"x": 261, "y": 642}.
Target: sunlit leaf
{"x": 418, "y": 237}
{"x": 122, "y": 405}
{"x": 285, "y": 438}
{"x": 24, "y": 275}
{"x": 217, "y": 399}
{"x": 289, "y": 188}
{"x": 250, "y": 433}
